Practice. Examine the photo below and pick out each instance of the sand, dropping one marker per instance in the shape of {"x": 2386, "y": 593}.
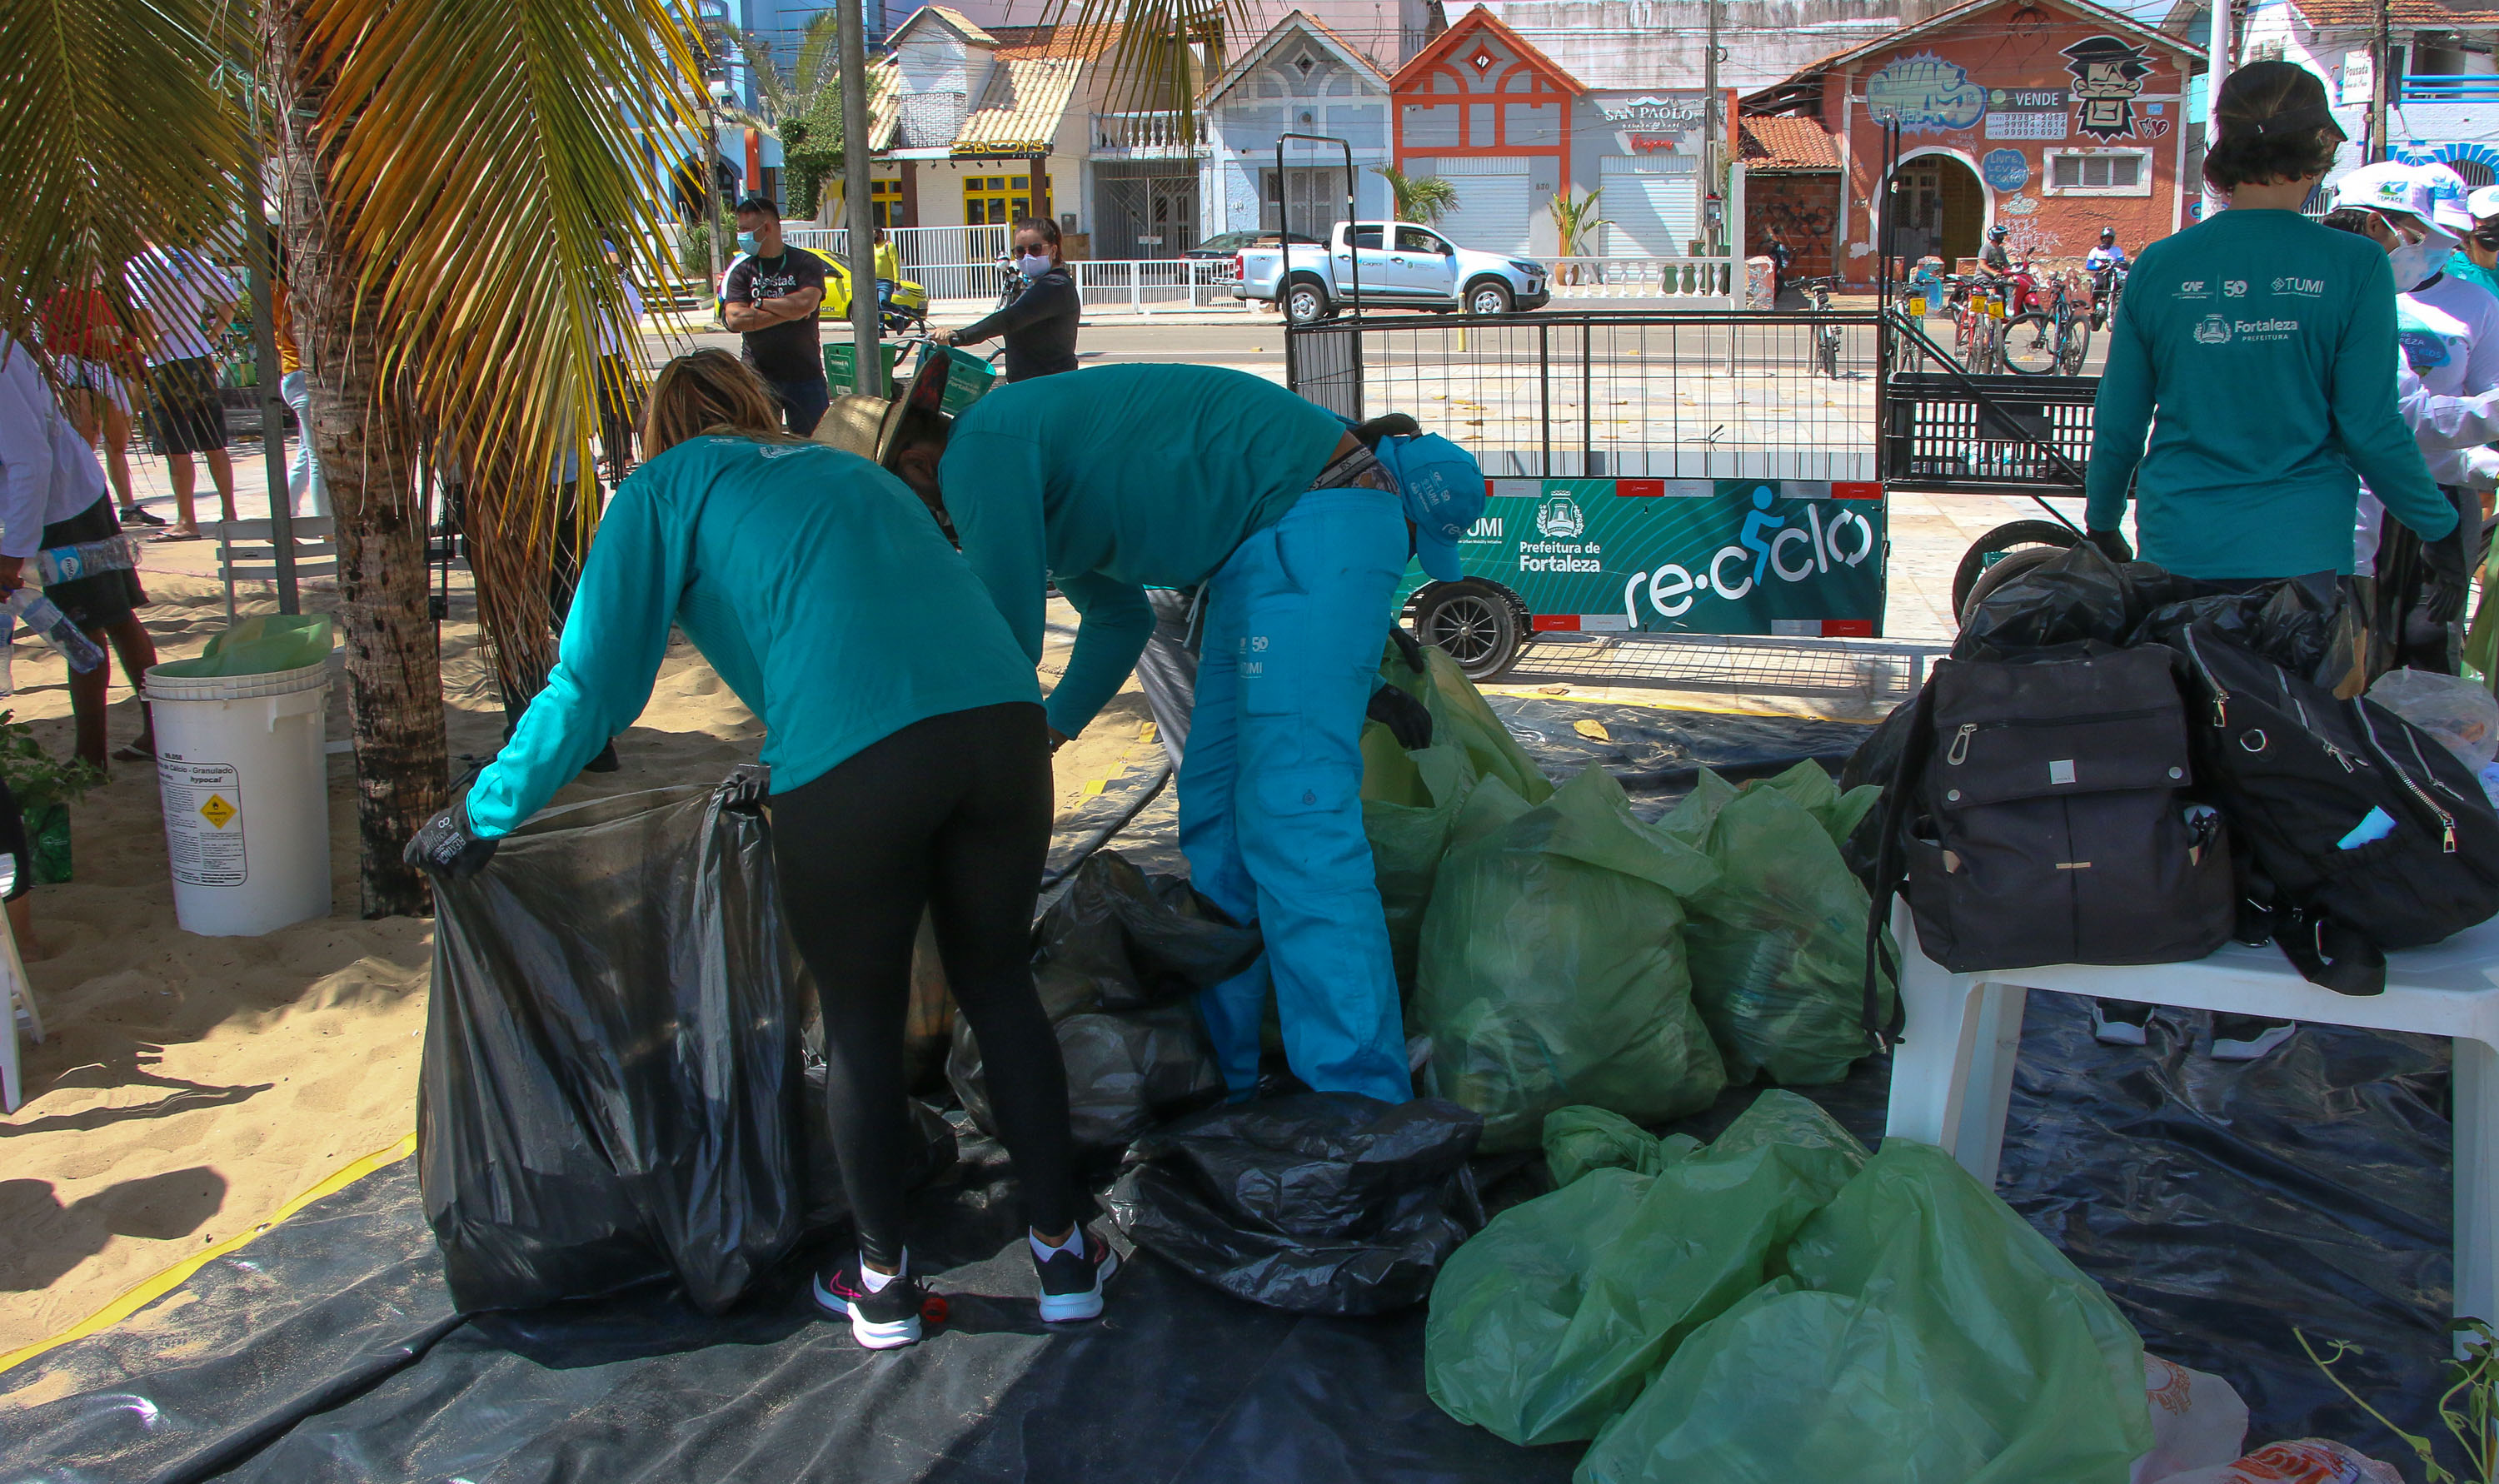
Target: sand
{"x": 191, "y": 1086}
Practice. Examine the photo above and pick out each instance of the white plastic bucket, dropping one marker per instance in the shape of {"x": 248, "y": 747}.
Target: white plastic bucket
{"x": 246, "y": 794}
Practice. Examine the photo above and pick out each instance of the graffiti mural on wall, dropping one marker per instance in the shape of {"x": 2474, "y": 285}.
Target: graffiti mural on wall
{"x": 1803, "y": 225}
{"x": 2108, "y": 73}
{"x": 1926, "y": 95}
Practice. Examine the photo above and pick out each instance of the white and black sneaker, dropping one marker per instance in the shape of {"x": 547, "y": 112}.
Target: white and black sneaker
{"x": 2246, "y": 1038}
{"x": 2119, "y": 1022}
{"x": 1072, "y": 1278}
{"x": 884, "y": 1320}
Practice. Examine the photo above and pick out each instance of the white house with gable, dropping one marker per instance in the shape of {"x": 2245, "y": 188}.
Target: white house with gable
{"x": 1300, "y": 78}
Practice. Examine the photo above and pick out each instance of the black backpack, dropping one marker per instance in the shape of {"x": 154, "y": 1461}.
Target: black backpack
{"x": 2041, "y": 814}
{"x": 2300, "y": 773}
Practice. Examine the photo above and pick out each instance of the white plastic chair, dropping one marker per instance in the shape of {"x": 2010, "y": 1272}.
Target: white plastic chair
{"x": 1952, "y": 1073}
{"x": 19, "y": 994}
{"x": 247, "y": 552}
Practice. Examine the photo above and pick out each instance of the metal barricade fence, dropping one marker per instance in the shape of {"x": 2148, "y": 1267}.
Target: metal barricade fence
{"x": 1662, "y": 395}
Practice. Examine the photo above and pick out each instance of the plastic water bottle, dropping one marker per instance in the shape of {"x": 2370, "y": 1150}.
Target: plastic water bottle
{"x": 31, "y": 608}
{"x": 87, "y": 559}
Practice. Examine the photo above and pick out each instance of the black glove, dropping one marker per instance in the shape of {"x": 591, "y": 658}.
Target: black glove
{"x": 1405, "y": 716}
{"x": 2449, "y": 576}
{"x": 1409, "y": 648}
{"x": 2112, "y": 545}
{"x": 449, "y": 847}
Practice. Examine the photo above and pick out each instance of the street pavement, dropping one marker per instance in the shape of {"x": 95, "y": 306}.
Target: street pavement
{"x": 1929, "y": 532}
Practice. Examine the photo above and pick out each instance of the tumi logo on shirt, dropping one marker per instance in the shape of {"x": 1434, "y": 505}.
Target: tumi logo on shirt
{"x": 2303, "y": 288}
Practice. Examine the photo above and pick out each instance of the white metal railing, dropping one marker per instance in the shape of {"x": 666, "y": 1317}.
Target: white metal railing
{"x": 1679, "y": 279}
{"x": 1145, "y": 284}
{"x": 1147, "y": 135}
{"x": 918, "y": 246}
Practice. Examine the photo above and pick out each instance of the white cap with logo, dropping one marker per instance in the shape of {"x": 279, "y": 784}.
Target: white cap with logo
{"x": 2388, "y": 188}
{"x": 2483, "y": 204}
{"x": 2447, "y": 193}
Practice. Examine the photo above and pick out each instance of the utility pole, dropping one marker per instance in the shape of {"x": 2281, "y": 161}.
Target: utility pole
{"x": 1713, "y": 232}
{"x": 2380, "y": 85}
{"x": 853, "y": 40}
{"x": 711, "y": 198}
{"x": 2217, "y": 68}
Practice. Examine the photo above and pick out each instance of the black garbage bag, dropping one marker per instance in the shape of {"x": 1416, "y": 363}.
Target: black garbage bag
{"x": 617, "y": 1083}
{"x": 2309, "y": 626}
{"x": 1115, "y": 959}
{"x": 2075, "y": 596}
{"x": 1319, "y": 1203}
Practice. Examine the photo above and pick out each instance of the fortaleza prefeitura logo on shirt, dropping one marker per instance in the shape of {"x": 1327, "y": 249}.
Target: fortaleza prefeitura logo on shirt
{"x": 2223, "y": 330}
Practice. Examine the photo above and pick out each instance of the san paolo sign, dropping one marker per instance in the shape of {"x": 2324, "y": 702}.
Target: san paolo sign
{"x": 1684, "y": 556}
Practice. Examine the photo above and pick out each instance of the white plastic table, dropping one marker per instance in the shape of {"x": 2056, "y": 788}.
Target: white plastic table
{"x": 1952, "y": 1072}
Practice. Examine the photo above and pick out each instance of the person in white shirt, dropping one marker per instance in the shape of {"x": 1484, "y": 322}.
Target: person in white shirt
{"x": 182, "y": 295}
{"x": 52, "y": 495}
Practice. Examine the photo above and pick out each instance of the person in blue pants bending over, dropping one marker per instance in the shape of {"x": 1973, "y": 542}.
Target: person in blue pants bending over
{"x": 1295, "y": 532}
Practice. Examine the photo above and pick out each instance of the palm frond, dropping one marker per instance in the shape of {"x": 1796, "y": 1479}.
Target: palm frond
{"x": 125, "y": 121}
{"x": 1420, "y": 199}
{"x": 1153, "y": 53}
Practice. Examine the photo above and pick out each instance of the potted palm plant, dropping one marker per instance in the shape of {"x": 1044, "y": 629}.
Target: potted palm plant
{"x": 1574, "y": 226}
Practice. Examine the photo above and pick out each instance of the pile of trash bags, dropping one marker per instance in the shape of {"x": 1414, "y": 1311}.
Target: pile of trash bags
{"x": 1314, "y": 1203}
{"x": 1557, "y": 949}
{"x": 1119, "y": 958}
{"x": 1779, "y": 1305}
{"x": 622, "y": 1072}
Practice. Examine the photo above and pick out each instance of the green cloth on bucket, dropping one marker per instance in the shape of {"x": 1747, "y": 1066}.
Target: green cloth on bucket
{"x": 260, "y": 646}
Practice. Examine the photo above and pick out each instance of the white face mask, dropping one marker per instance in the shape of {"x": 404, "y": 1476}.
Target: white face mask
{"x": 1032, "y": 264}
{"x": 2417, "y": 263}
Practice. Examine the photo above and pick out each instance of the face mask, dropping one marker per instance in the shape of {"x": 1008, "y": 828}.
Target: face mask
{"x": 746, "y": 241}
{"x": 1032, "y": 264}
{"x": 2417, "y": 263}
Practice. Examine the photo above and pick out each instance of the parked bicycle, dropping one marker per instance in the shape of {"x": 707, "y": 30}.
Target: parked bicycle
{"x": 1825, "y": 336}
{"x": 1978, "y": 323}
{"x": 2048, "y": 331}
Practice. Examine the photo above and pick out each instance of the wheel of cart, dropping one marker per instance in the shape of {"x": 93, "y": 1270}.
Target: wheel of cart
{"x": 2002, "y": 555}
{"x": 1477, "y": 623}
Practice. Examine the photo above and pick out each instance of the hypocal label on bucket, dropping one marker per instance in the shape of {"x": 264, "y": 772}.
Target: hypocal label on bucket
{"x": 202, "y": 821}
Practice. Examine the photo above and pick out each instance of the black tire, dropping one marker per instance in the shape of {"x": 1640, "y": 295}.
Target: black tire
{"x": 1475, "y": 622}
{"x": 2078, "y": 346}
{"x": 1306, "y": 300}
{"x": 2002, "y": 555}
{"x": 1488, "y": 296}
{"x": 2032, "y": 346}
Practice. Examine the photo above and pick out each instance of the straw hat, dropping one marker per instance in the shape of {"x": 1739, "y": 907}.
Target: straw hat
{"x": 866, "y": 425}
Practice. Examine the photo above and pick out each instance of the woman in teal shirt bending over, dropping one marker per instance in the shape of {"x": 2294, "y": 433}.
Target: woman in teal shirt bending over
{"x": 910, "y": 768}
{"x": 2258, "y": 349}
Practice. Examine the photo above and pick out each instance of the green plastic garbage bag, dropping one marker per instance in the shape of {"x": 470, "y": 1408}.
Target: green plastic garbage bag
{"x": 1925, "y": 1335}
{"x": 1578, "y": 1139}
{"x": 1777, "y": 944}
{"x": 1552, "y": 968}
{"x": 261, "y": 646}
{"x": 1554, "y": 1318}
{"x": 1460, "y": 716}
{"x": 1409, "y": 801}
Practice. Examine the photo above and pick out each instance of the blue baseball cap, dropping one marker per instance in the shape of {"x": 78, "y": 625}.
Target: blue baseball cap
{"x": 1443, "y": 488}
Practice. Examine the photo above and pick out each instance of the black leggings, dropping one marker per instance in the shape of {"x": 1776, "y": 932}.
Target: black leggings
{"x": 952, "y": 814}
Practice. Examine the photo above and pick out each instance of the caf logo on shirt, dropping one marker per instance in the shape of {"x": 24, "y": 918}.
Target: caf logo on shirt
{"x": 2213, "y": 330}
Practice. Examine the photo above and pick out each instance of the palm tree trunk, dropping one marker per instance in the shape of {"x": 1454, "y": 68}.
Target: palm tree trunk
{"x": 365, "y": 441}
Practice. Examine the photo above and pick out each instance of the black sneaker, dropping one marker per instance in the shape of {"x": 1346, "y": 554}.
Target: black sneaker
{"x": 2245, "y": 1038}
{"x": 2119, "y": 1022}
{"x": 1071, "y": 1286}
{"x": 134, "y": 516}
{"x": 884, "y": 1320}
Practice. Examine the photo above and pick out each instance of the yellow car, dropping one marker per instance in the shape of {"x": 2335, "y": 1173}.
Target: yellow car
{"x": 905, "y": 309}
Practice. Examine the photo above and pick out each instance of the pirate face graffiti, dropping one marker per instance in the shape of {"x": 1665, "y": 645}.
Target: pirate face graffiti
{"x": 2107, "y": 75}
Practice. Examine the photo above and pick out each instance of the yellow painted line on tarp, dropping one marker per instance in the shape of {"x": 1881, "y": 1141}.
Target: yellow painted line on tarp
{"x": 1097, "y": 786}
{"x": 152, "y": 1289}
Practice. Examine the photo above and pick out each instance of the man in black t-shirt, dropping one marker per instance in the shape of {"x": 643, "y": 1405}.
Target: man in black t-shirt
{"x": 770, "y": 299}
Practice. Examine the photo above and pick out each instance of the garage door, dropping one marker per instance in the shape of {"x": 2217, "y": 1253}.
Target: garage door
{"x": 1495, "y": 207}
{"x": 1654, "y": 204}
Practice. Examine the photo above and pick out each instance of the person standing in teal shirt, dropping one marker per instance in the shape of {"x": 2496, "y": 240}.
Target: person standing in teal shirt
{"x": 1119, "y": 478}
{"x": 2257, "y": 349}
{"x": 910, "y": 775}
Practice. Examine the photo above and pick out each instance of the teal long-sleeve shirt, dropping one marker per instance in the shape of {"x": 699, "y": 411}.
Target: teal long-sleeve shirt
{"x": 814, "y": 582}
{"x": 1115, "y": 479}
{"x": 2258, "y": 349}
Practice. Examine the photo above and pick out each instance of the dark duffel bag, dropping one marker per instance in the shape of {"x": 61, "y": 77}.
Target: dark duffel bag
{"x": 2356, "y": 832}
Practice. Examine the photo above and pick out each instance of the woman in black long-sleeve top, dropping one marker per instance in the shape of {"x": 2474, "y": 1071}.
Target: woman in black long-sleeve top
{"x": 1040, "y": 326}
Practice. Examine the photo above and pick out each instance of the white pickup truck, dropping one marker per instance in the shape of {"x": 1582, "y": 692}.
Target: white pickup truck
{"x": 1394, "y": 263}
